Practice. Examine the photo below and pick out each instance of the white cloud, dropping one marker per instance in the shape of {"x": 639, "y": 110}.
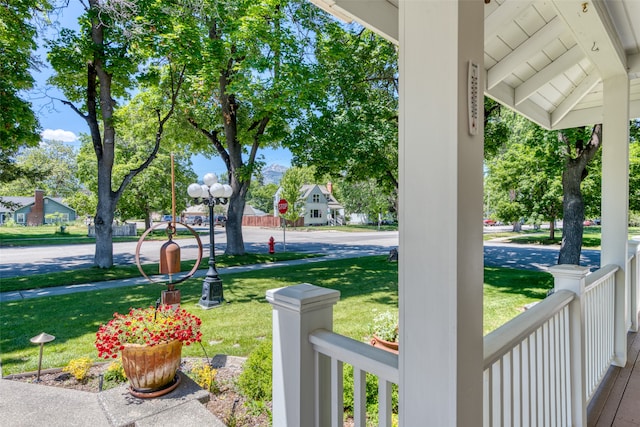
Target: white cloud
{"x": 59, "y": 135}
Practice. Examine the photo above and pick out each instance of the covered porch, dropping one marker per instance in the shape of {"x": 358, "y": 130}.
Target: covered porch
{"x": 562, "y": 64}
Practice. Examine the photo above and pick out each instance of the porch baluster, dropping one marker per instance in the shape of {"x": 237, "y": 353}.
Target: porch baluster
{"x": 572, "y": 278}
{"x": 634, "y": 282}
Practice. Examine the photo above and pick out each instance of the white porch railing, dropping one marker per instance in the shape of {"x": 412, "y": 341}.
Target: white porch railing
{"x": 541, "y": 368}
{"x": 365, "y": 359}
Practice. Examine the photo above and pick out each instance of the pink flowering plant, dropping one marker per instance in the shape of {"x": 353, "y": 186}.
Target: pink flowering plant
{"x": 148, "y": 326}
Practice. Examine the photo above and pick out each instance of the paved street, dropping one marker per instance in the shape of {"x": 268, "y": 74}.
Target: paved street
{"x": 43, "y": 259}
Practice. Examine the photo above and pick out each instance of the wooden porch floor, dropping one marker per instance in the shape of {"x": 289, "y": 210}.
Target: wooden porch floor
{"x": 617, "y": 401}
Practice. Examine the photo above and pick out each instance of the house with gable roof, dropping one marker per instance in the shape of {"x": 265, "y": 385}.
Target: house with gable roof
{"x": 34, "y": 210}
{"x": 320, "y": 205}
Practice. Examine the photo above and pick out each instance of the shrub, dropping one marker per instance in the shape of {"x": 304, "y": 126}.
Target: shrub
{"x": 255, "y": 380}
{"x": 79, "y": 368}
{"x": 115, "y": 372}
{"x": 371, "y": 392}
{"x": 385, "y": 326}
{"x": 204, "y": 375}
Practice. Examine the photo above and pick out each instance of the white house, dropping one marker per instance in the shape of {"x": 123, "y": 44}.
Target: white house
{"x": 320, "y": 206}
{"x": 560, "y": 63}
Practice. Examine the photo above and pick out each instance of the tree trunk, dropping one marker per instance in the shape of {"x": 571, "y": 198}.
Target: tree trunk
{"x": 552, "y": 230}
{"x": 573, "y": 207}
{"x": 574, "y": 173}
{"x": 235, "y": 241}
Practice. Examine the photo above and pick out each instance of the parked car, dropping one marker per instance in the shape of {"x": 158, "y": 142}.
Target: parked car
{"x": 194, "y": 220}
{"x": 167, "y": 218}
{"x": 588, "y": 222}
{"x": 220, "y": 220}
{"x": 489, "y": 222}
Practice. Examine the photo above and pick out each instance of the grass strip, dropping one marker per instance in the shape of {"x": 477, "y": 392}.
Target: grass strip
{"x": 367, "y": 286}
{"x": 591, "y": 237}
{"x": 95, "y": 274}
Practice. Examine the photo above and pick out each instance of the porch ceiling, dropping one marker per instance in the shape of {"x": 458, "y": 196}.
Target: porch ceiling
{"x": 544, "y": 59}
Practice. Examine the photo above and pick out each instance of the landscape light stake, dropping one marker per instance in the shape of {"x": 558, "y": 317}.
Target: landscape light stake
{"x": 41, "y": 339}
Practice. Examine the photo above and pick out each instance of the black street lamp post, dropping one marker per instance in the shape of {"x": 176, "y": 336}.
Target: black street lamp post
{"x": 211, "y": 193}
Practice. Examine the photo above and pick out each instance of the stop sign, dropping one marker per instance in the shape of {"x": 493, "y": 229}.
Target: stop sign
{"x": 283, "y": 205}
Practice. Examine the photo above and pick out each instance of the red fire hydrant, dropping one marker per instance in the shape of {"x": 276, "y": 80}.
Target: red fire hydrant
{"x": 272, "y": 245}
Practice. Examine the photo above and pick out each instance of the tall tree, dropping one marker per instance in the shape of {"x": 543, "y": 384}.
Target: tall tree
{"x": 351, "y": 128}
{"x": 53, "y": 164}
{"x": 523, "y": 179}
{"x": 580, "y": 147}
{"x": 290, "y": 190}
{"x": 19, "y": 126}
{"x": 118, "y": 42}
{"x": 254, "y": 78}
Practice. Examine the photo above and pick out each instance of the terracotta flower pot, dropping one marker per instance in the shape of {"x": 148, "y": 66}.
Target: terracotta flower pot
{"x": 385, "y": 345}
{"x": 151, "y": 370}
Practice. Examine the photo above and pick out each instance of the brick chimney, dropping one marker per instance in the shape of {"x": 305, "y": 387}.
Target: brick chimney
{"x": 36, "y": 216}
{"x": 330, "y": 187}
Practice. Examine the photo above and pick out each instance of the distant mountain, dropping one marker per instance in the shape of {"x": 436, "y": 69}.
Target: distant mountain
{"x": 272, "y": 174}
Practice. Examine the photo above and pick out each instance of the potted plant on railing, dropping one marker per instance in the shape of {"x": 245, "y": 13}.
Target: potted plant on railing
{"x": 150, "y": 341}
{"x": 384, "y": 331}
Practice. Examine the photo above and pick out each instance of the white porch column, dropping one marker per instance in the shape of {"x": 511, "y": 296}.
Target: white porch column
{"x": 572, "y": 278}
{"x": 441, "y": 254}
{"x": 615, "y": 198}
{"x": 297, "y": 311}
{"x": 634, "y": 282}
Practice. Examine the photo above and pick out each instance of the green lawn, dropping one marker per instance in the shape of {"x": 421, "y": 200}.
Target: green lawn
{"x": 367, "y": 285}
{"x": 73, "y": 234}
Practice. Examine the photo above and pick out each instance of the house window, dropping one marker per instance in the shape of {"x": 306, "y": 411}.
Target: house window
{"x": 316, "y": 198}
{"x": 21, "y": 218}
{"x": 316, "y": 213}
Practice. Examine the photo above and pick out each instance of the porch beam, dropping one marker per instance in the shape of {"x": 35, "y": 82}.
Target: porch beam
{"x": 548, "y": 73}
{"x": 440, "y": 169}
{"x": 593, "y": 30}
{"x": 545, "y": 35}
{"x": 615, "y": 199}
{"x": 380, "y": 16}
{"x": 574, "y": 97}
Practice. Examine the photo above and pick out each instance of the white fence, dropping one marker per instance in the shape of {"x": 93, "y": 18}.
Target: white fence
{"x": 117, "y": 230}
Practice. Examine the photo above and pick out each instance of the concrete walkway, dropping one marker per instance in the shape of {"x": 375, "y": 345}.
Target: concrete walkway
{"x": 110, "y": 284}
{"x": 26, "y": 404}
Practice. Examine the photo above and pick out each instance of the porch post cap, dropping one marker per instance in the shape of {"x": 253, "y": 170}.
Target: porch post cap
{"x": 569, "y": 270}
{"x": 302, "y": 297}
{"x": 634, "y": 245}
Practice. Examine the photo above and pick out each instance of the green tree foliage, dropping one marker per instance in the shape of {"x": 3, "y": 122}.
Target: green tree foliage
{"x": 121, "y": 46}
{"x": 261, "y": 196}
{"x": 253, "y": 78}
{"x": 150, "y": 190}
{"x": 634, "y": 167}
{"x": 53, "y": 166}
{"x": 351, "y": 128}
{"x": 524, "y": 177}
{"x": 19, "y": 126}
{"x": 290, "y": 185}
{"x": 365, "y": 197}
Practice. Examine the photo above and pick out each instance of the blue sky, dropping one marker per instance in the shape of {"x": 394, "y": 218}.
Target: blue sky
{"x": 59, "y": 122}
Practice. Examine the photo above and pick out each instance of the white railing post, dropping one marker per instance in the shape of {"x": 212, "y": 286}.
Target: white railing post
{"x": 572, "y": 278}
{"x": 297, "y": 311}
{"x": 634, "y": 282}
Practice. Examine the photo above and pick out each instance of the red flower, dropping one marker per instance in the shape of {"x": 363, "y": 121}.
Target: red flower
{"x": 147, "y": 326}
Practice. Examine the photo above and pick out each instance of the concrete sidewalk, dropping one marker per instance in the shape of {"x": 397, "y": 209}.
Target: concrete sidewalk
{"x": 26, "y": 404}
{"x": 110, "y": 284}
